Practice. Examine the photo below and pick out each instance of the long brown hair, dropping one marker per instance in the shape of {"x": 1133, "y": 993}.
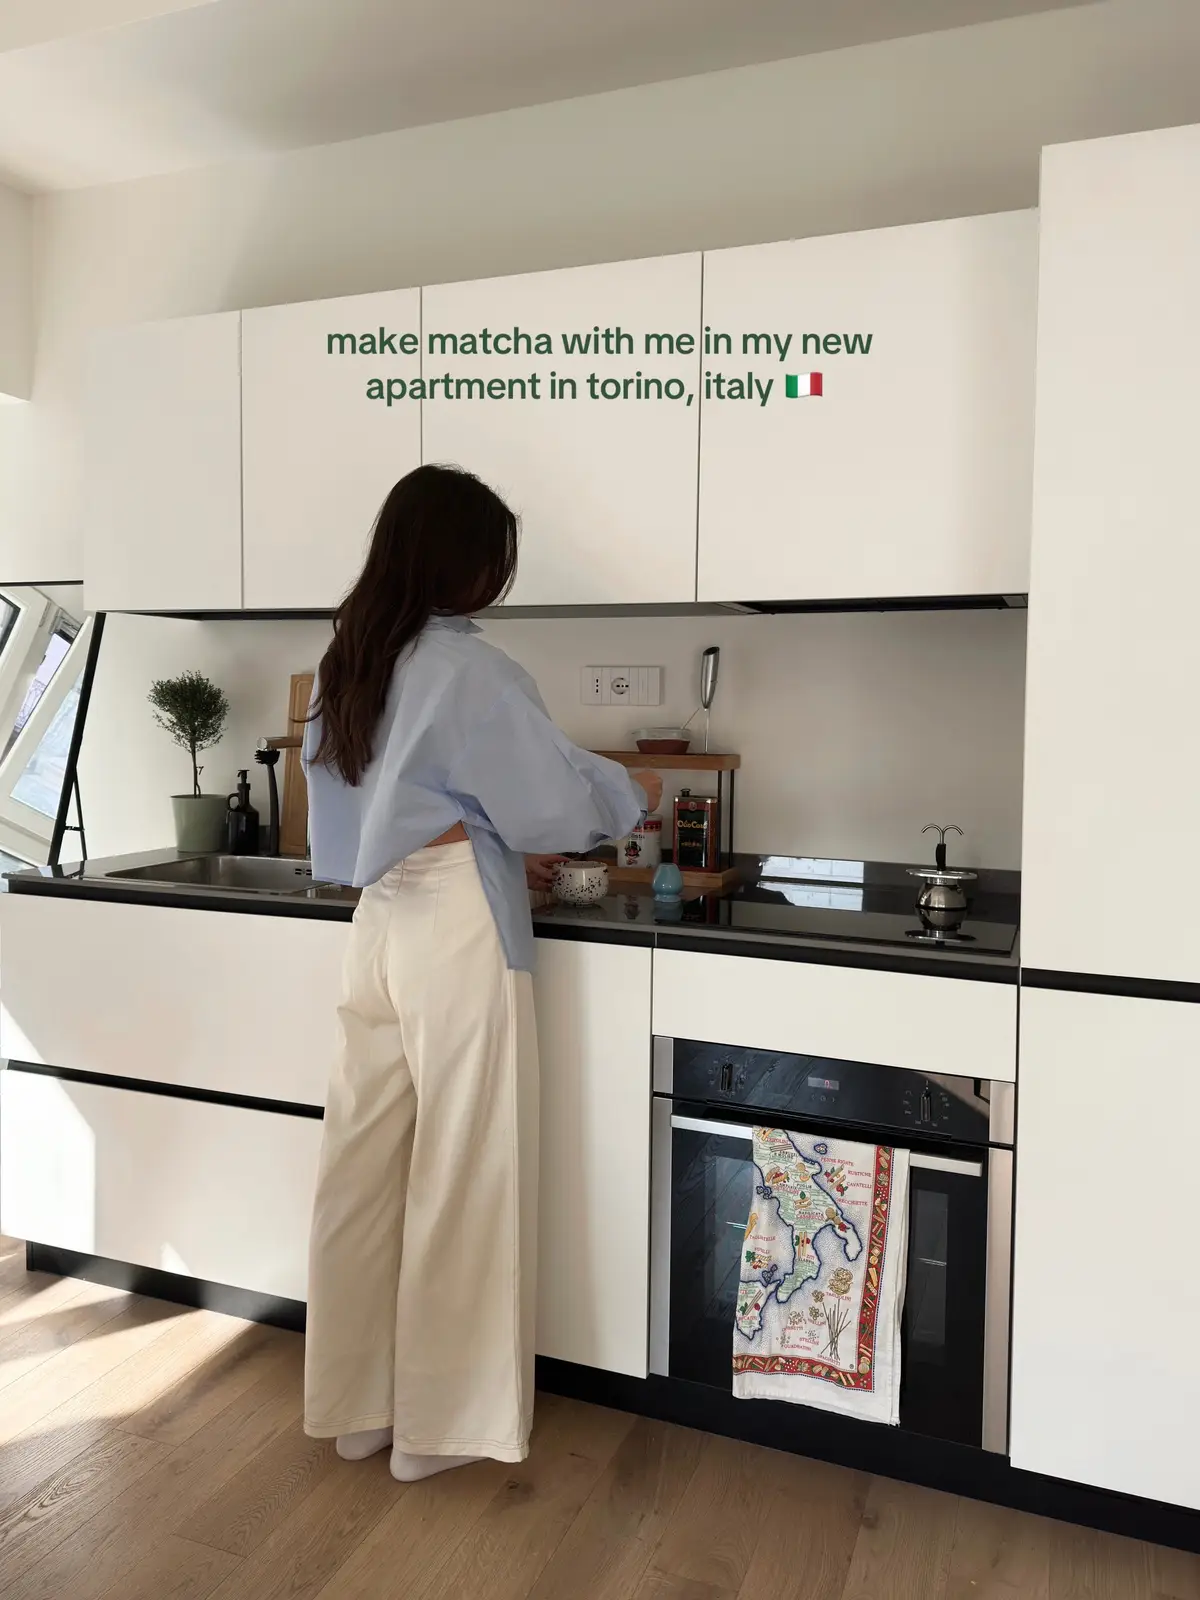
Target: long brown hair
{"x": 444, "y": 544}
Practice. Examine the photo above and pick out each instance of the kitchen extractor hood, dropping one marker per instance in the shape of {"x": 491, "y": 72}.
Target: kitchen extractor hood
{"x": 701, "y": 608}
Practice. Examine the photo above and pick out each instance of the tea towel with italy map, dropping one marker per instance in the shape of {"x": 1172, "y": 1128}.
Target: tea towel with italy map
{"x": 817, "y": 1317}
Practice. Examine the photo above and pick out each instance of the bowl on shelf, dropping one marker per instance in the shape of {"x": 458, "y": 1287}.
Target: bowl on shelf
{"x": 662, "y": 741}
{"x": 580, "y": 883}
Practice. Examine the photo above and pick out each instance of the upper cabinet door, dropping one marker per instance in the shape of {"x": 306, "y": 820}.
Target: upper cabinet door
{"x": 897, "y": 459}
{"x": 605, "y": 487}
{"x": 1111, "y": 767}
{"x": 323, "y": 442}
{"x": 163, "y": 468}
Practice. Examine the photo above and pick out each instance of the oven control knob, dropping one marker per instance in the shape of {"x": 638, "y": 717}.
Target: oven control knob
{"x": 926, "y": 1105}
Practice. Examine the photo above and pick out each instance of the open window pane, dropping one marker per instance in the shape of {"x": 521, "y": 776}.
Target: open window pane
{"x": 41, "y": 783}
{"x": 56, "y": 650}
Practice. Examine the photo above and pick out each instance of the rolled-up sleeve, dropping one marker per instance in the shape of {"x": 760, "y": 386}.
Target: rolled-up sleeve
{"x": 521, "y": 777}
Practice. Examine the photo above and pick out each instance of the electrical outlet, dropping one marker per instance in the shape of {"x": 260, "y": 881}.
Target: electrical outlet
{"x": 621, "y": 686}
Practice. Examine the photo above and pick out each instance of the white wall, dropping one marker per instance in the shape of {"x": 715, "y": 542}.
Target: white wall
{"x": 16, "y": 300}
{"x": 854, "y": 730}
{"x": 944, "y": 125}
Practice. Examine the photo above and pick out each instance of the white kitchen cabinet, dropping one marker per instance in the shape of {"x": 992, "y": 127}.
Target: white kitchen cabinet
{"x": 1112, "y": 762}
{"x": 163, "y": 456}
{"x": 234, "y": 1003}
{"x": 1105, "y": 1386}
{"x": 898, "y": 1019}
{"x": 593, "y": 1016}
{"x": 605, "y": 488}
{"x": 910, "y": 474}
{"x": 320, "y": 454}
{"x": 210, "y": 1191}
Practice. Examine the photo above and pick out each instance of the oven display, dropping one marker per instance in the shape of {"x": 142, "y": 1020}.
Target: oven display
{"x": 824, "y": 1083}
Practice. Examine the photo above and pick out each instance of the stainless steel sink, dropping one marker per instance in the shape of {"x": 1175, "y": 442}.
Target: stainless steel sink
{"x": 255, "y": 874}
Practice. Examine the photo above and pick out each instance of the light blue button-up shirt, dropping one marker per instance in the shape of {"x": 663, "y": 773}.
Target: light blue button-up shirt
{"x": 464, "y": 737}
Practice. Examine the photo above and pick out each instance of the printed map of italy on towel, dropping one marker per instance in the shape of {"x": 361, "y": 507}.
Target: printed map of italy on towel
{"x": 818, "y": 1305}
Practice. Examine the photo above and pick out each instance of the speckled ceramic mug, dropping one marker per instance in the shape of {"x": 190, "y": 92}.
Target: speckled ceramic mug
{"x": 580, "y": 883}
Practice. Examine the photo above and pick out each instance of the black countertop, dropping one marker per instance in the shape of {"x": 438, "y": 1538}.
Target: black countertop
{"x": 858, "y": 914}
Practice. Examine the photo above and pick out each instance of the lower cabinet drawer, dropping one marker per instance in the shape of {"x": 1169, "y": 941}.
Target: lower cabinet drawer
{"x": 211, "y": 1191}
{"x": 898, "y": 1019}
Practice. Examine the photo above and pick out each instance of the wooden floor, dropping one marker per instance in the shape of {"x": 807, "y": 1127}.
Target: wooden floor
{"x": 152, "y": 1453}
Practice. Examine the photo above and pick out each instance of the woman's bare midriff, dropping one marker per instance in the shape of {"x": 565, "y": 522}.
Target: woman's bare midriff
{"x": 455, "y": 835}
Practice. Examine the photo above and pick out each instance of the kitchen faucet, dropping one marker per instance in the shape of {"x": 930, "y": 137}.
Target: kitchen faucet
{"x": 267, "y": 756}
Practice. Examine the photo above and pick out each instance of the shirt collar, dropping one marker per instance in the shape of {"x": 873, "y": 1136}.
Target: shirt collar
{"x": 456, "y": 624}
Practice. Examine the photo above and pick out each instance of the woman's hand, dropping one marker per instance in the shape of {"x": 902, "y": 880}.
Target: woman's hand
{"x": 539, "y": 870}
{"x": 651, "y": 782}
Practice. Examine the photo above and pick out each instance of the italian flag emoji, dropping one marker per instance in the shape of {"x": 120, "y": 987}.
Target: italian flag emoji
{"x": 803, "y": 385}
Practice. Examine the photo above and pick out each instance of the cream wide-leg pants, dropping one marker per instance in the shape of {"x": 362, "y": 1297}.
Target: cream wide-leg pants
{"x": 424, "y": 1233}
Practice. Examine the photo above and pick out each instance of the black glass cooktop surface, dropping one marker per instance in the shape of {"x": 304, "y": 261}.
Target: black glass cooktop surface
{"x": 872, "y": 914}
{"x": 858, "y": 916}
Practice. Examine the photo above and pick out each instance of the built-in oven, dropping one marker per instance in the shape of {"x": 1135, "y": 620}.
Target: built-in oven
{"x": 959, "y": 1132}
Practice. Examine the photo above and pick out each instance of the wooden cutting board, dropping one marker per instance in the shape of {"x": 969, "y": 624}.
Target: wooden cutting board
{"x": 293, "y": 816}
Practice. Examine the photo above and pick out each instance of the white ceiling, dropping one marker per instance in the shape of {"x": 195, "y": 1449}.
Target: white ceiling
{"x": 159, "y": 85}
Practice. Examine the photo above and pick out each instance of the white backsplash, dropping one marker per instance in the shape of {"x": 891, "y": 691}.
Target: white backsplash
{"x": 854, "y": 730}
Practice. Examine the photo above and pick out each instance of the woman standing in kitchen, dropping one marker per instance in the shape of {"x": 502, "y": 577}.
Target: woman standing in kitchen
{"x": 436, "y": 780}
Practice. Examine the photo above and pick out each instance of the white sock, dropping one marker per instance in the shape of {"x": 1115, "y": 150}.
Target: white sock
{"x": 411, "y": 1469}
{"x": 358, "y": 1446}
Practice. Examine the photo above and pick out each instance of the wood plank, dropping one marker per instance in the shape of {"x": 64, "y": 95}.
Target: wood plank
{"x": 293, "y": 820}
{"x": 669, "y": 1586}
{"x": 998, "y": 1553}
{"x": 1176, "y": 1574}
{"x": 231, "y": 1366}
{"x": 813, "y": 1514}
{"x": 244, "y": 1513}
{"x": 27, "y": 1402}
{"x": 37, "y": 1327}
{"x": 609, "y": 1545}
{"x": 112, "y": 1543}
{"x": 722, "y": 880}
{"x": 1088, "y": 1565}
{"x": 713, "y": 1534}
{"x": 33, "y": 1526}
{"x": 308, "y": 1547}
{"x": 141, "y": 1380}
{"x": 12, "y": 1260}
{"x": 410, "y": 1545}
{"x": 693, "y": 761}
{"x": 903, "y": 1547}
{"x": 521, "y": 1527}
{"x": 175, "y": 1569}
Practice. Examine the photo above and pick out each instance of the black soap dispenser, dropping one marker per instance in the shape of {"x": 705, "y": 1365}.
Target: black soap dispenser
{"x": 241, "y": 820}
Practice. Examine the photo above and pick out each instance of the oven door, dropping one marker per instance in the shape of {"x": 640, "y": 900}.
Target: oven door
{"x": 703, "y": 1182}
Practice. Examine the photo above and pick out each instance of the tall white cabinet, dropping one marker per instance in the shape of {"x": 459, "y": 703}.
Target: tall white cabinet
{"x": 909, "y": 474}
{"x": 1112, "y": 758}
{"x": 164, "y": 467}
{"x": 320, "y": 452}
{"x": 1105, "y": 1387}
{"x": 605, "y": 488}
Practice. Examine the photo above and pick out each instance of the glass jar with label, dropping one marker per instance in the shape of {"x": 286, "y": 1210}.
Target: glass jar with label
{"x": 642, "y": 847}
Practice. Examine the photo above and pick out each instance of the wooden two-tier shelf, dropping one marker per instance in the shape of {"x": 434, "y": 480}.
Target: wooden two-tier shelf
{"x": 726, "y": 877}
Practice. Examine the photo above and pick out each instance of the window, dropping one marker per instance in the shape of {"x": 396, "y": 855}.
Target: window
{"x": 56, "y": 649}
{"x": 42, "y": 654}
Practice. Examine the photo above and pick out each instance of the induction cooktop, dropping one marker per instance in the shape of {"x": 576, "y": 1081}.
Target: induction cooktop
{"x": 880, "y": 915}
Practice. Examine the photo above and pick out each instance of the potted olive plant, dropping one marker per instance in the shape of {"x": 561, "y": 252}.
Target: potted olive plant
{"x": 193, "y": 711}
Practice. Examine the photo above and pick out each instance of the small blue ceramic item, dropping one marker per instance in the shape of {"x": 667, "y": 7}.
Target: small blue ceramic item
{"x": 667, "y": 883}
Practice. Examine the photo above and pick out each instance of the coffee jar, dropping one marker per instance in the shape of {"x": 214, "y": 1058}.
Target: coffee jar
{"x": 642, "y": 847}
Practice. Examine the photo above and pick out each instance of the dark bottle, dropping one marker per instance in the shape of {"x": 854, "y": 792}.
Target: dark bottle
{"x": 241, "y": 820}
